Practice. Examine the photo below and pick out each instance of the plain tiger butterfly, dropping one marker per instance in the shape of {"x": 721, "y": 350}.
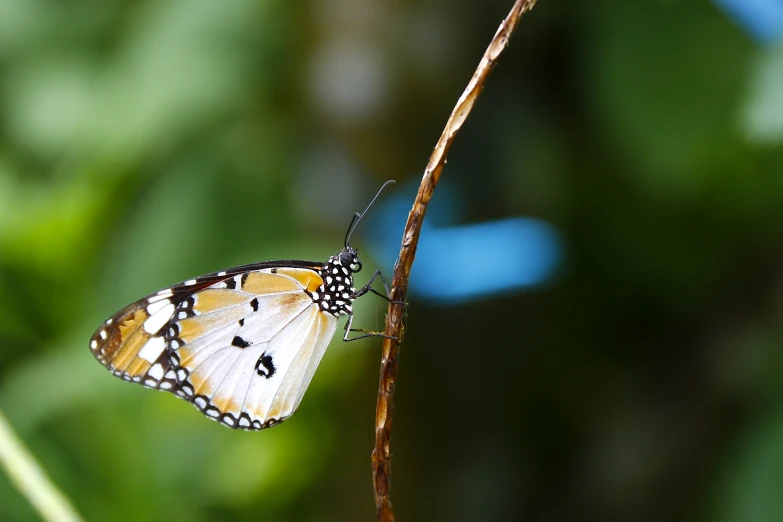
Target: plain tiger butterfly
{"x": 241, "y": 344}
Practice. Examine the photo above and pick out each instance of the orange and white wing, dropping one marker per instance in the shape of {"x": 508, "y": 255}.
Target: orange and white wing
{"x": 241, "y": 346}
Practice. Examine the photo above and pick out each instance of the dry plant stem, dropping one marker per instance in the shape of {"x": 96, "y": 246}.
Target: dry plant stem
{"x": 31, "y": 480}
{"x": 381, "y": 455}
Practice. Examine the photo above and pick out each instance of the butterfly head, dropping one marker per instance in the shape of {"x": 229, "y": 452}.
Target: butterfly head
{"x": 349, "y": 259}
{"x": 337, "y": 293}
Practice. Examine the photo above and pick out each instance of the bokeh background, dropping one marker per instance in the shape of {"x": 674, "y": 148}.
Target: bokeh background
{"x": 594, "y": 330}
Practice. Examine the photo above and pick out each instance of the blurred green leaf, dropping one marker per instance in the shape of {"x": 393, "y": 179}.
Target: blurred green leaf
{"x": 763, "y": 116}
{"x": 46, "y": 227}
{"x": 752, "y": 489}
{"x": 667, "y": 81}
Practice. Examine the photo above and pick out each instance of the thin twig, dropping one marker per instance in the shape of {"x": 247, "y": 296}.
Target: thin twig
{"x": 31, "y": 480}
{"x": 381, "y": 455}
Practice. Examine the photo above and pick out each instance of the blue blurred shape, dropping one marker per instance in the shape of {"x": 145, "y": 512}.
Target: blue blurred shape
{"x": 456, "y": 264}
{"x": 763, "y": 19}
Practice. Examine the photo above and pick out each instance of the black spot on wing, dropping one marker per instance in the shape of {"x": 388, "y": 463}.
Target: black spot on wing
{"x": 265, "y": 366}
{"x": 254, "y": 304}
{"x": 239, "y": 342}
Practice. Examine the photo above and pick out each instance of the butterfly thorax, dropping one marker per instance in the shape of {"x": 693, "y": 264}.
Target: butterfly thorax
{"x": 337, "y": 293}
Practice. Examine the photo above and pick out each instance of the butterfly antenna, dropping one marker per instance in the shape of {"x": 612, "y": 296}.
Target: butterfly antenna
{"x": 358, "y": 217}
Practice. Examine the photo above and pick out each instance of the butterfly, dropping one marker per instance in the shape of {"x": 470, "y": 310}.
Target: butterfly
{"x": 241, "y": 344}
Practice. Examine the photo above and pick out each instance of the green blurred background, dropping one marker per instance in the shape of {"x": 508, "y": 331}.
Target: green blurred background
{"x": 146, "y": 142}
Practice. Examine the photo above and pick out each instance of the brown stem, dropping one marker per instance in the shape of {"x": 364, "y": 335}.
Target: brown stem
{"x": 381, "y": 455}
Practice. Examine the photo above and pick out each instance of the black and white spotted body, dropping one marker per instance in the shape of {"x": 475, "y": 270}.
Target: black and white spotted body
{"x": 337, "y": 293}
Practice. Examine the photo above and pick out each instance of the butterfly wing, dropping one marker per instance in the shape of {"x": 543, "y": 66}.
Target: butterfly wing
{"x": 241, "y": 345}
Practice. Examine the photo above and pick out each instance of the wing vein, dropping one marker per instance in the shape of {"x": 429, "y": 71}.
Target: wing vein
{"x": 293, "y": 362}
{"x": 293, "y": 318}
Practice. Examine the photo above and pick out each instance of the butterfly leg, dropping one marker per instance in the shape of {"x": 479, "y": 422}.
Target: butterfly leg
{"x": 368, "y": 288}
{"x": 360, "y": 292}
{"x": 366, "y": 333}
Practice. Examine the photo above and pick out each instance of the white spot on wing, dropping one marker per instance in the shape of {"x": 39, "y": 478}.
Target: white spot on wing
{"x": 156, "y": 372}
{"x": 154, "y": 307}
{"x": 152, "y": 350}
{"x": 93, "y": 344}
{"x": 190, "y": 282}
{"x": 155, "y": 322}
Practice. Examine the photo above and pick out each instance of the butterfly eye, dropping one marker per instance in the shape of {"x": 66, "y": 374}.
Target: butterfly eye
{"x": 347, "y": 259}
